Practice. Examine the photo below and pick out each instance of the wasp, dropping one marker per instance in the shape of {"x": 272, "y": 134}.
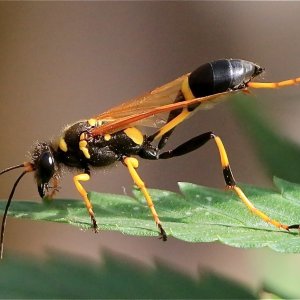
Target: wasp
{"x": 113, "y": 136}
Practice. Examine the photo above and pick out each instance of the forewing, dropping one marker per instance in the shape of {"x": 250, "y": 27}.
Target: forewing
{"x": 158, "y": 97}
{"x": 139, "y": 117}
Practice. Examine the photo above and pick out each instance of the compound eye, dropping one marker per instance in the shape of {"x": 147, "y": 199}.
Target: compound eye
{"x": 45, "y": 168}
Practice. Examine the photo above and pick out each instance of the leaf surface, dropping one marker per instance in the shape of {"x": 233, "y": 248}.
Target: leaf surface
{"x": 196, "y": 214}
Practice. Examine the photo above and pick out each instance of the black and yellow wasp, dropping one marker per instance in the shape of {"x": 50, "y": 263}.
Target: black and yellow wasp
{"x": 113, "y": 136}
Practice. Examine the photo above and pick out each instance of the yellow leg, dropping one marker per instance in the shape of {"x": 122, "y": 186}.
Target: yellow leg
{"x": 230, "y": 182}
{"x": 173, "y": 123}
{"x": 132, "y": 164}
{"x": 273, "y": 85}
{"x": 83, "y": 193}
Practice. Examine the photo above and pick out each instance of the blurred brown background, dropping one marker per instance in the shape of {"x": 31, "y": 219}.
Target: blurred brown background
{"x": 64, "y": 61}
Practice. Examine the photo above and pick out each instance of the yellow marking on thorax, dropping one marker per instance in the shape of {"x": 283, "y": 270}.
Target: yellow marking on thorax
{"x": 92, "y": 122}
{"x": 186, "y": 90}
{"x": 63, "y": 145}
{"x": 135, "y": 135}
{"x": 84, "y": 149}
{"x": 82, "y": 136}
{"x": 107, "y": 137}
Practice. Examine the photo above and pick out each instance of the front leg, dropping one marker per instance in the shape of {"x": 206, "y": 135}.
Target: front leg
{"x": 53, "y": 189}
{"x": 83, "y": 193}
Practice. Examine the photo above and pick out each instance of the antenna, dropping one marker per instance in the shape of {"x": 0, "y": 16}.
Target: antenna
{"x": 28, "y": 167}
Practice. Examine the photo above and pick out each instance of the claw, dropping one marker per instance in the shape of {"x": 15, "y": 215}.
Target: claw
{"x": 94, "y": 225}
{"x": 162, "y": 234}
{"x": 295, "y": 226}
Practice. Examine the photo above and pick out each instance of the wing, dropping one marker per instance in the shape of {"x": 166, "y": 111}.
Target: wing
{"x": 136, "y": 117}
{"x": 160, "y": 96}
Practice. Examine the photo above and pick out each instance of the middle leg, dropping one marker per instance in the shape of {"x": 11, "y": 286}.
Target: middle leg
{"x": 132, "y": 164}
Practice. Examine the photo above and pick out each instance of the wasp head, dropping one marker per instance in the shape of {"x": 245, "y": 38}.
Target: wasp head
{"x": 44, "y": 166}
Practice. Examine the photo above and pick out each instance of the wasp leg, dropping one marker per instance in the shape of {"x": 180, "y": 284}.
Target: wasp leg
{"x": 83, "y": 193}
{"x": 200, "y": 140}
{"x": 53, "y": 189}
{"x": 169, "y": 127}
{"x": 132, "y": 164}
{"x": 172, "y": 115}
{"x": 165, "y": 136}
{"x": 273, "y": 85}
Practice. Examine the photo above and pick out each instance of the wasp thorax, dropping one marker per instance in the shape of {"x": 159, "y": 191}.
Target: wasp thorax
{"x": 44, "y": 166}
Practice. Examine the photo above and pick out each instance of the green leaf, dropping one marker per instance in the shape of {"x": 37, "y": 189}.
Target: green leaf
{"x": 197, "y": 214}
{"x": 279, "y": 155}
{"x": 62, "y": 277}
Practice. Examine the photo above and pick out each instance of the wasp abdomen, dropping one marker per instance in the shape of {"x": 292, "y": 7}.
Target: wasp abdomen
{"x": 222, "y": 75}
